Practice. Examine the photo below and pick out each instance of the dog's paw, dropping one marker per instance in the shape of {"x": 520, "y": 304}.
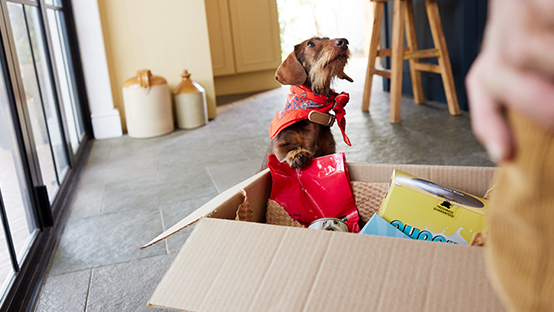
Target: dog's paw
{"x": 299, "y": 157}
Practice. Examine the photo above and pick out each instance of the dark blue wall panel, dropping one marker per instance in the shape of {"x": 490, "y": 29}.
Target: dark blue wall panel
{"x": 463, "y": 22}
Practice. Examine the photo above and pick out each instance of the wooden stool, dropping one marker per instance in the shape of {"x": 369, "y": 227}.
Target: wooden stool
{"x": 404, "y": 14}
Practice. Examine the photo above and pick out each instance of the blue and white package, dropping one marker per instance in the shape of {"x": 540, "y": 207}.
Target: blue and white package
{"x": 379, "y": 226}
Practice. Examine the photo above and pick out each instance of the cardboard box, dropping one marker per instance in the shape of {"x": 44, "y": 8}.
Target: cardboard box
{"x": 425, "y": 210}
{"x": 228, "y": 265}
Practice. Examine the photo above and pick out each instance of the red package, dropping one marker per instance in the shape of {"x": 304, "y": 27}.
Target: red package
{"x": 321, "y": 189}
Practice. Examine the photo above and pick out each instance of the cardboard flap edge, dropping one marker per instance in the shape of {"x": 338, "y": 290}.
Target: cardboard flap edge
{"x": 208, "y": 209}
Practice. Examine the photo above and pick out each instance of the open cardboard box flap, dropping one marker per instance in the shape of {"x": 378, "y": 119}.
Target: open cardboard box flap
{"x": 228, "y": 265}
{"x": 224, "y": 206}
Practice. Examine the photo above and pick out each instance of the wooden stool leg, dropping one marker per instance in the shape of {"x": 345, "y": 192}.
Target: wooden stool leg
{"x": 396, "y": 60}
{"x": 417, "y": 88}
{"x": 444, "y": 59}
{"x": 373, "y": 46}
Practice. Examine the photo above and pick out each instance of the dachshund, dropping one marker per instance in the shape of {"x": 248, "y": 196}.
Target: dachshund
{"x": 302, "y": 131}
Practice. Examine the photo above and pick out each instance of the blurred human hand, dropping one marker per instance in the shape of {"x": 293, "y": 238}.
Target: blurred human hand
{"x": 515, "y": 70}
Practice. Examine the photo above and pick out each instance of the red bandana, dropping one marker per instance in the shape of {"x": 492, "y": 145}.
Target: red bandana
{"x": 301, "y": 101}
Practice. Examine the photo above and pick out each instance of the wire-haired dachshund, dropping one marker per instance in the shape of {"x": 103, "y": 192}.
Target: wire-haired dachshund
{"x": 303, "y": 130}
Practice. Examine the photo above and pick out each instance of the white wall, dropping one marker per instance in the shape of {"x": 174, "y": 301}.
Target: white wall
{"x": 106, "y": 122}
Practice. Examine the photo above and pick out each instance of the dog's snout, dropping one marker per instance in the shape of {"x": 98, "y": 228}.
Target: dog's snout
{"x": 341, "y": 43}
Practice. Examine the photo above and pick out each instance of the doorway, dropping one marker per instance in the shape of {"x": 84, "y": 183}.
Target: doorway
{"x": 303, "y": 19}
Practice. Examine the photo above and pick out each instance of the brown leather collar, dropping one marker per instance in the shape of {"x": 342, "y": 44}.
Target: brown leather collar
{"x": 321, "y": 118}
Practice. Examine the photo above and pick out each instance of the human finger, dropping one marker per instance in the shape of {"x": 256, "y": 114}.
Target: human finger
{"x": 488, "y": 121}
{"x": 530, "y": 94}
{"x": 534, "y": 52}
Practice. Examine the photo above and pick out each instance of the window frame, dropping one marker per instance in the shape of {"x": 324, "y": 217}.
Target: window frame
{"x": 22, "y": 293}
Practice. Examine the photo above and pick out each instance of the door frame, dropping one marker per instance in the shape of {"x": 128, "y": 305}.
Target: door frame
{"x": 22, "y": 293}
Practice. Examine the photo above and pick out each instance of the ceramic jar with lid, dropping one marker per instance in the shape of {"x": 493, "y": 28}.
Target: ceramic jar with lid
{"x": 190, "y": 103}
{"x": 147, "y": 102}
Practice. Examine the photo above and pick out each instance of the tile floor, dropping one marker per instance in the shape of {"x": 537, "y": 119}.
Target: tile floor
{"x": 132, "y": 190}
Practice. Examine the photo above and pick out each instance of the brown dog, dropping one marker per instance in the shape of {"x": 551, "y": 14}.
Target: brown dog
{"x": 298, "y": 134}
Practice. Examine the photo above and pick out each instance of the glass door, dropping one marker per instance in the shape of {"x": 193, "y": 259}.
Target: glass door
{"x": 38, "y": 94}
{"x": 18, "y": 222}
{"x": 62, "y": 57}
{"x": 42, "y": 132}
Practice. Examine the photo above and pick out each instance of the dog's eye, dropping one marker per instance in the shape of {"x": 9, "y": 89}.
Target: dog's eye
{"x": 310, "y": 44}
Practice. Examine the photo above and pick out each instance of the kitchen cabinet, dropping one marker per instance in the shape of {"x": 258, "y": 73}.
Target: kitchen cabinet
{"x": 244, "y": 43}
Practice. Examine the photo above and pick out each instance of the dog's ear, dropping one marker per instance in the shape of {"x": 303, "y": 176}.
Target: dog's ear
{"x": 291, "y": 72}
{"x": 345, "y": 77}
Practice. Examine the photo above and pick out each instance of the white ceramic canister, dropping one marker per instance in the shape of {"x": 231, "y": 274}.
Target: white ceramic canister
{"x": 148, "y": 109}
{"x": 190, "y": 103}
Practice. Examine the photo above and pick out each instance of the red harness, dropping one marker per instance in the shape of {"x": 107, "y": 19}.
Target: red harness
{"x": 301, "y": 101}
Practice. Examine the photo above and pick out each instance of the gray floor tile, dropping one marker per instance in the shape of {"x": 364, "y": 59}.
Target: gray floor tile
{"x": 256, "y": 147}
{"x": 175, "y": 242}
{"x": 125, "y": 146}
{"x": 197, "y": 151}
{"x": 106, "y": 170}
{"x": 148, "y": 192}
{"x": 88, "y": 201}
{"x": 176, "y": 210}
{"x": 107, "y": 239}
{"x": 100, "y": 150}
{"x": 138, "y": 194}
{"x": 126, "y": 286}
{"x": 187, "y": 183}
{"x": 66, "y": 292}
{"x": 227, "y": 175}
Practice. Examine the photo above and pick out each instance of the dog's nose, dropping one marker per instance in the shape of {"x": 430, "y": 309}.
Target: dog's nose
{"x": 342, "y": 43}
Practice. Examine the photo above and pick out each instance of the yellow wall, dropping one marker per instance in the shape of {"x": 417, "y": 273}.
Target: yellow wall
{"x": 165, "y": 36}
